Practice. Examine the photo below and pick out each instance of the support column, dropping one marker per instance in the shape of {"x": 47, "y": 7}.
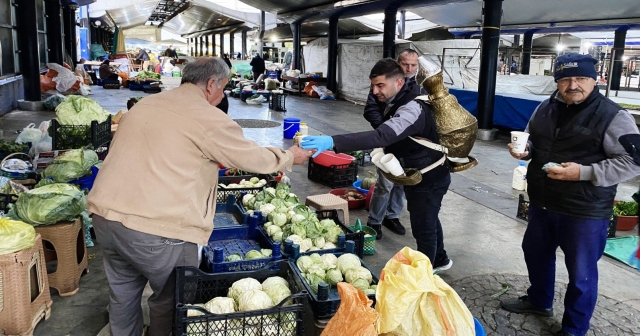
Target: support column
{"x": 196, "y": 44}
{"x": 526, "y": 52}
{"x": 201, "y": 46}
{"x": 389, "y": 34}
{"x": 231, "y": 46}
{"x": 296, "y": 28}
{"x": 221, "y": 44}
{"x": 618, "y": 46}
{"x": 332, "y": 63}
{"x": 28, "y": 49}
{"x": 191, "y": 46}
{"x": 488, "y": 64}
{"x": 243, "y": 36}
{"x": 207, "y": 51}
{"x": 213, "y": 44}
{"x": 55, "y": 42}
{"x": 261, "y": 33}
{"x": 69, "y": 17}
{"x": 402, "y": 24}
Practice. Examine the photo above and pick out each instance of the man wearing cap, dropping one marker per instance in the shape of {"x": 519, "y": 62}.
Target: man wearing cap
{"x": 580, "y": 130}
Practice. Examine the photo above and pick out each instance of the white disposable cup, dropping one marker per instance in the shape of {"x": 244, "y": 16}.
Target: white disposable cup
{"x": 375, "y": 159}
{"x": 392, "y": 164}
{"x": 376, "y": 151}
{"x": 519, "y": 141}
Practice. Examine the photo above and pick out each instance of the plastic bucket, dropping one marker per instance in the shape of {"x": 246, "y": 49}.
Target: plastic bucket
{"x": 479, "y": 329}
{"x": 290, "y": 127}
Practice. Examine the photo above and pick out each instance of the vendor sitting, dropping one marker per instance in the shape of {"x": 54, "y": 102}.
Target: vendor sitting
{"x": 106, "y": 72}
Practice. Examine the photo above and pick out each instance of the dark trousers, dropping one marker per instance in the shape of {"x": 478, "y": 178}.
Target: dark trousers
{"x": 131, "y": 259}
{"x": 423, "y": 203}
{"x": 582, "y": 241}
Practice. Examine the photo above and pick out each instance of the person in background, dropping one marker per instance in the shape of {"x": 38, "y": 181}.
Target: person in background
{"x": 571, "y": 203}
{"x": 257, "y": 66}
{"x": 105, "y": 71}
{"x": 227, "y": 60}
{"x": 81, "y": 72}
{"x": 288, "y": 59}
{"x": 144, "y": 57}
{"x": 404, "y": 117}
{"x": 155, "y": 197}
{"x": 171, "y": 53}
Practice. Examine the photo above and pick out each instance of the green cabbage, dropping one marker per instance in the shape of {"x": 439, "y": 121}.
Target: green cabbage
{"x": 272, "y": 230}
{"x": 243, "y": 285}
{"x": 49, "y": 204}
{"x": 233, "y": 257}
{"x": 277, "y": 293}
{"x": 329, "y": 260}
{"x": 277, "y": 237}
{"x": 266, "y": 252}
{"x": 272, "y": 281}
{"x": 299, "y": 230}
{"x": 305, "y": 245}
{"x": 278, "y": 219}
{"x": 303, "y": 263}
{"x": 253, "y": 254}
{"x": 71, "y": 165}
{"x": 314, "y": 280}
{"x": 317, "y": 270}
{"x": 361, "y": 284}
{"x": 333, "y": 276}
{"x": 355, "y": 273}
{"x": 317, "y": 259}
{"x": 369, "y": 292}
{"x": 348, "y": 261}
{"x": 254, "y": 299}
{"x": 221, "y": 305}
{"x": 80, "y": 110}
{"x": 332, "y": 233}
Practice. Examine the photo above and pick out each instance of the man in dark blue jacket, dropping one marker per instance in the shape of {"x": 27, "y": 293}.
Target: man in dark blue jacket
{"x": 404, "y": 117}
{"x": 581, "y": 130}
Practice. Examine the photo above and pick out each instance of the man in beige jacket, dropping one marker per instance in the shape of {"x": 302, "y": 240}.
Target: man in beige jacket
{"x": 155, "y": 196}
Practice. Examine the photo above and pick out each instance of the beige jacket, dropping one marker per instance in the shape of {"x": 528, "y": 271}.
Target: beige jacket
{"x": 161, "y": 174}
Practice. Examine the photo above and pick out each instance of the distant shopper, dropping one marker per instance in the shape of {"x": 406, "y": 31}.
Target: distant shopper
{"x": 105, "y": 71}
{"x": 170, "y": 52}
{"x": 155, "y": 197}
{"x": 288, "y": 59}
{"x": 226, "y": 59}
{"x": 144, "y": 57}
{"x": 257, "y": 66}
{"x": 571, "y": 204}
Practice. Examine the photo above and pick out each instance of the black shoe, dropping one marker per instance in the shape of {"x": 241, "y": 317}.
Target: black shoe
{"x": 522, "y": 305}
{"x": 442, "y": 265}
{"x": 394, "y": 225}
{"x": 378, "y": 229}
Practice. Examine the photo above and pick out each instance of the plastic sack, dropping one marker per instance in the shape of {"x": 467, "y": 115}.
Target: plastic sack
{"x": 52, "y": 102}
{"x": 354, "y": 317}
{"x": 15, "y": 236}
{"x": 412, "y": 301}
{"x": 47, "y": 83}
{"x": 45, "y": 144}
{"x": 310, "y": 91}
{"x": 29, "y": 134}
{"x": 257, "y": 101}
{"x": 65, "y": 79}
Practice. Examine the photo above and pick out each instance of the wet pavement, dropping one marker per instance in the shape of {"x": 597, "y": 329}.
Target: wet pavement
{"x": 482, "y": 234}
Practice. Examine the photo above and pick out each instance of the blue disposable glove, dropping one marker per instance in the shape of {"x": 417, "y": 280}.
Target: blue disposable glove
{"x": 317, "y": 142}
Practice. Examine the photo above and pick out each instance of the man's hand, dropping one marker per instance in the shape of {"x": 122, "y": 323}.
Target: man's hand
{"x": 570, "y": 171}
{"x": 300, "y": 156}
{"x": 317, "y": 142}
{"x": 518, "y": 156}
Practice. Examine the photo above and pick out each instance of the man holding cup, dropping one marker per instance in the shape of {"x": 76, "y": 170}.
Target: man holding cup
{"x": 387, "y": 201}
{"x": 403, "y": 117}
{"x": 577, "y": 161}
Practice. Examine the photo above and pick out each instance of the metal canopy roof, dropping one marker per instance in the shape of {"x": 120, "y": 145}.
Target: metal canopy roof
{"x": 347, "y": 28}
{"x": 199, "y": 18}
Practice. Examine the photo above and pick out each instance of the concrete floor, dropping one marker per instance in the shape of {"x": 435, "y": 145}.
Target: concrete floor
{"x": 482, "y": 235}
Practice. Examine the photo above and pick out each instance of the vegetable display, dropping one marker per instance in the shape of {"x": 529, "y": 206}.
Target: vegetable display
{"x": 369, "y": 181}
{"x": 352, "y": 195}
{"x": 11, "y": 147}
{"x": 623, "y": 208}
{"x": 253, "y": 254}
{"x": 71, "y": 165}
{"x": 254, "y": 182}
{"x": 145, "y": 75}
{"x": 49, "y": 204}
{"x": 317, "y": 269}
{"x": 289, "y": 219}
{"x": 80, "y": 110}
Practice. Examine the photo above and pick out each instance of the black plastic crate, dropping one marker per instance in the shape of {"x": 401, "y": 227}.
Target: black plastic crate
{"x": 277, "y": 102}
{"x": 111, "y": 84}
{"x": 195, "y": 286}
{"x": 336, "y": 176}
{"x": 523, "y": 208}
{"x": 325, "y": 303}
{"x": 79, "y": 136}
{"x": 223, "y": 193}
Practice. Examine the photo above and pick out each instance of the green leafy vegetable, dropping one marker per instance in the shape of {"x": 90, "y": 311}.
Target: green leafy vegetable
{"x": 80, "y": 110}
{"x": 625, "y": 209}
{"x": 49, "y": 204}
{"x": 71, "y": 165}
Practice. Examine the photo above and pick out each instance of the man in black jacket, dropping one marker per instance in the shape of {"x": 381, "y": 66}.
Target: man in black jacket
{"x": 404, "y": 117}
{"x": 581, "y": 130}
{"x": 257, "y": 66}
{"x": 387, "y": 201}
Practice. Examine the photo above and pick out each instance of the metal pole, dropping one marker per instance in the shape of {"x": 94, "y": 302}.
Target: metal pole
{"x": 28, "y": 48}
{"x": 69, "y": 16}
{"x": 261, "y": 34}
{"x": 389, "y": 34}
{"x": 403, "y": 22}
{"x": 244, "y": 44}
{"x": 207, "y": 52}
{"x": 526, "y": 53}
{"x": 489, "y": 62}
{"x": 55, "y": 42}
{"x": 231, "y": 46}
{"x": 221, "y": 44}
{"x": 332, "y": 63}
{"x": 295, "y": 29}
{"x": 618, "y": 45}
{"x": 611, "y": 60}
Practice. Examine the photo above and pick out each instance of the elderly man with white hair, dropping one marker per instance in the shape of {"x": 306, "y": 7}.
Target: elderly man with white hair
{"x": 154, "y": 199}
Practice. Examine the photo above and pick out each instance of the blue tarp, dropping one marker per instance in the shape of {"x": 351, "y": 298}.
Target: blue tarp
{"x": 512, "y": 112}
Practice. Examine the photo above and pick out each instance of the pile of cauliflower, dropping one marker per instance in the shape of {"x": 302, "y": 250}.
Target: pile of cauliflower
{"x": 329, "y": 269}
{"x": 254, "y": 182}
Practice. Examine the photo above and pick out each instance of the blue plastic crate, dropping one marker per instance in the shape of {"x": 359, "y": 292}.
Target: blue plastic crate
{"x": 325, "y": 303}
{"x": 229, "y": 214}
{"x": 239, "y": 239}
{"x": 86, "y": 182}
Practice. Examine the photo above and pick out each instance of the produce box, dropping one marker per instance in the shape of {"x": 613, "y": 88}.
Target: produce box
{"x": 326, "y": 301}
{"x": 239, "y": 240}
{"x": 229, "y": 214}
{"x": 223, "y": 193}
{"x": 78, "y": 136}
{"x": 194, "y": 286}
{"x": 336, "y": 176}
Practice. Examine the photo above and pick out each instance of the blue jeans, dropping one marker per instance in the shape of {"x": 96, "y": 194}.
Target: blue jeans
{"x": 387, "y": 200}
{"x": 423, "y": 203}
{"x": 582, "y": 241}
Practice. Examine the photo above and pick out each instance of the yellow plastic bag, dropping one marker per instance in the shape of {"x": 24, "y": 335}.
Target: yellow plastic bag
{"x": 412, "y": 301}
{"x": 15, "y": 236}
{"x": 354, "y": 317}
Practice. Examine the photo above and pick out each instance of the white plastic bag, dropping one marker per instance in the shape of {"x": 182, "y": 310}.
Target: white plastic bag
{"x": 65, "y": 79}
{"x": 44, "y": 145}
{"x": 29, "y": 134}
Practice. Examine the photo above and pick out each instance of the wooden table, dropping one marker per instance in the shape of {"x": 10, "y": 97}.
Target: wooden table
{"x": 92, "y": 63}
{"x": 301, "y": 83}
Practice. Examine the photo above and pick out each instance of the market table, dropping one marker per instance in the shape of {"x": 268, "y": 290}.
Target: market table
{"x": 301, "y": 82}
